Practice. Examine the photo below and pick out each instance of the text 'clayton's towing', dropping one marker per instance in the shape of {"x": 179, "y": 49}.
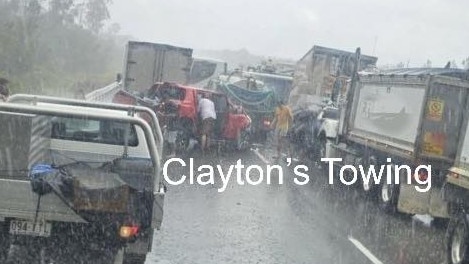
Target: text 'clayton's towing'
{"x": 254, "y": 174}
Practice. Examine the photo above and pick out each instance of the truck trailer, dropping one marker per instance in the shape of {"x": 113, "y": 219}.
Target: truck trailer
{"x": 405, "y": 125}
{"x": 147, "y": 63}
{"x": 322, "y": 74}
{"x": 402, "y": 137}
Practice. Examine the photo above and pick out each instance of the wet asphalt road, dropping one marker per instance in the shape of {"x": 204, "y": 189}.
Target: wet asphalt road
{"x": 284, "y": 223}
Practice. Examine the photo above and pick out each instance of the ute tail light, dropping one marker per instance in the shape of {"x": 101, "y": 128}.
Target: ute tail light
{"x": 128, "y": 231}
{"x": 266, "y": 122}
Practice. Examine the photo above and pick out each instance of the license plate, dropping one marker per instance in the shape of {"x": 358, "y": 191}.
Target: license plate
{"x": 22, "y": 227}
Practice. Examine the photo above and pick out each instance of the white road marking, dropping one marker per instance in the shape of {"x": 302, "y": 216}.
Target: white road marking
{"x": 256, "y": 151}
{"x": 365, "y": 251}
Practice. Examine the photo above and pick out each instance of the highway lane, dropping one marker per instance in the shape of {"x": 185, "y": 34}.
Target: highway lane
{"x": 276, "y": 223}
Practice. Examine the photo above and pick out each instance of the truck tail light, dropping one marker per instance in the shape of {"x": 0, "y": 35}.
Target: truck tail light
{"x": 422, "y": 176}
{"x": 128, "y": 231}
{"x": 454, "y": 175}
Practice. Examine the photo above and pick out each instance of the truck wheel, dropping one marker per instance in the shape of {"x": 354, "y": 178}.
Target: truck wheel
{"x": 457, "y": 241}
{"x": 130, "y": 258}
{"x": 387, "y": 195}
{"x": 368, "y": 188}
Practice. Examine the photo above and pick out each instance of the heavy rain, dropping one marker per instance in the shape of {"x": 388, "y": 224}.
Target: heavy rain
{"x": 174, "y": 132}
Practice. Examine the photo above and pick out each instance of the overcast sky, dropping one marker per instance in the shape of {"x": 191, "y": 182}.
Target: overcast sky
{"x": 409, "y": 31}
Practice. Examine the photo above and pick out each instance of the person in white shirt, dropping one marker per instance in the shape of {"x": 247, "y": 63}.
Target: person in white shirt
{"x": 206, "y": 110}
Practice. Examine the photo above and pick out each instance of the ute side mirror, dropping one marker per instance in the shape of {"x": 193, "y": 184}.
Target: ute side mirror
{"x": 118, "y": 77}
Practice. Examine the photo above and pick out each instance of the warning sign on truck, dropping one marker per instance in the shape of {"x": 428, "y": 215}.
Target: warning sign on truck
{"x": 434, "y": 143}
{"x": 435, "y": 109}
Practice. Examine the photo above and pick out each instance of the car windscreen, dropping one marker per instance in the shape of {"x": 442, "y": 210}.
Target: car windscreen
{"x": 280, "y": 87}
{"x": 202, "y": 70}
{"x": 172, "y": 92}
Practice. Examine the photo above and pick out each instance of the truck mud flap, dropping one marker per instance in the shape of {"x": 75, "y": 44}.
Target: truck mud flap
{"x": 413, "y": 202}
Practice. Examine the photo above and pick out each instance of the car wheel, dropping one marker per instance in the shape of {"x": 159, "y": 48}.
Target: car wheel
{"x": 322, "y": 147}
{"x": 182, "y": 142}
{"x": 242, "y": 142}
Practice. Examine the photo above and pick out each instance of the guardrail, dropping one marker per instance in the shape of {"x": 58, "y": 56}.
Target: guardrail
{"x": 104, "y": 94}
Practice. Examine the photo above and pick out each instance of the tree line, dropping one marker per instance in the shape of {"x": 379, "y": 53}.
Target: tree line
{"x": 60, "y": 47}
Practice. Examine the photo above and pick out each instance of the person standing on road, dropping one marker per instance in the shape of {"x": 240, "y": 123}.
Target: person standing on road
{"x": 282, "y": 122}
{"x": 206, "y": 110}
{"x": 4, "y": 91}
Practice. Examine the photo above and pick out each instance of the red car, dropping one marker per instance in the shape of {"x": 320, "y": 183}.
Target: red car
{"x": 176, "y": 107}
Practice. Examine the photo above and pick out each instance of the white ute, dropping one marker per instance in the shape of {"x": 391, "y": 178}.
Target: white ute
{"x": 81, "y": 175}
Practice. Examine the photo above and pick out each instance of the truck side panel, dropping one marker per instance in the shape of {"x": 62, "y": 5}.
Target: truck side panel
{"x": 388, "y": 112}
{"x": 418, "y": 115}
{"x": 302, "y": 87}
{"x": 176, "y": 66}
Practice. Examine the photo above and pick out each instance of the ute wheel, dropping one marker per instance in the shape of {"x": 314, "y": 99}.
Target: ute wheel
{"x": 457, "y": 240}
{"x": 25, "y": 254}
{"x": 102, "y": 256}
{"x": 4, "y": 247}
{"x": 130, "y": 258}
